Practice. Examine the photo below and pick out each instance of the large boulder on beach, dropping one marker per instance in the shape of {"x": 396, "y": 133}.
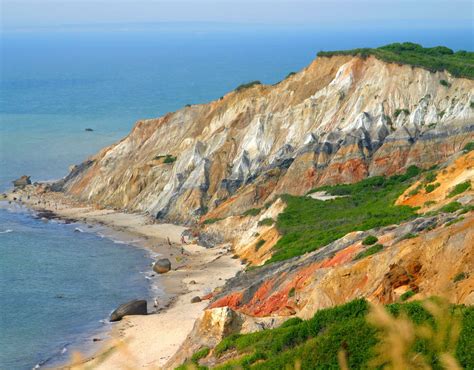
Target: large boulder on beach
{"x": 162, "y": 266}
{"x": 135, "y": 307}
{"x": 22, "y": 182}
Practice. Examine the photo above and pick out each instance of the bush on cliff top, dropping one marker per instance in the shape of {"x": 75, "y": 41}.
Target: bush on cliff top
{"x": 308, "y": 224}
{"x": 316, "y": 342}
{"x": 459, "y": 64}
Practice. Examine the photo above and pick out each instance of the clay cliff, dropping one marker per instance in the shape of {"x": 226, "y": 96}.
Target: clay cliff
{"x": 256, "y": 169}
{"x": 340, "y": 119}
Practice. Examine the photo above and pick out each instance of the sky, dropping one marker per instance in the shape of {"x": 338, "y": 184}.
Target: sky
{"x": 27, "y": 14}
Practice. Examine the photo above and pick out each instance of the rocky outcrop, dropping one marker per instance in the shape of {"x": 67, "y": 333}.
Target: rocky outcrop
{"x": 339, "y": 120}
{"x": 214, "y": 325}
{"x": 135, "y": 307}
{"x": 22, "y": 182}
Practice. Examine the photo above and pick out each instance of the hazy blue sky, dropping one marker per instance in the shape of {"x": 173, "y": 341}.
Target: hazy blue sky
{"x": 17, "y": 14}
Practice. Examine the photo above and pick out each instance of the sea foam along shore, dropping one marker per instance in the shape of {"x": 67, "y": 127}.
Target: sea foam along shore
{"x": 147, "y": 341}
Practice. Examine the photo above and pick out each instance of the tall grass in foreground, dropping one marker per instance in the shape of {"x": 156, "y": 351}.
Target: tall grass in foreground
{"x": 432, "y": 334}
{"x": 418, "y": 335}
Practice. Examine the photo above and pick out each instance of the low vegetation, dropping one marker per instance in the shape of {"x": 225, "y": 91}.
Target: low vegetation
{"x": 460, "y": 188}
{"x": 431, "y": 187}
{"x": 211, "y": 221}
{"x": 459, "y": 277}
{"x": 439, "y": 58}
{"x": 451, "y": 207}
{"x": 408, "y": 294}
{"x": 252, "y": 212}
{"x": 369, "y": 240}
{"x": 308, "y": 224}
{"x": 469, "y": 146}
{"x": 266, "y": 222}
{"x": 321, "y": 342}
{"x": 369, "y": 251}
{"x": 259, "y": 244}
{"x": 247, "y": 85}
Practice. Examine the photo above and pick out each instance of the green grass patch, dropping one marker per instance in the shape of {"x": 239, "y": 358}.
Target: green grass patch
{"x": 439, "y": 58}
{"x": 430, "y": 187}
{"x": 266, "y": 222}
{"x": 459, "y": 277}
{"x": 369, "y": 251}
{"x": 169, "y": 159}
{"x": 316, "y": 342}
{"x": 409, "y": 236}
{"x": 451, "y": 207}
{"x": 200, "y": 354}
{"x": 247, "y": 85}
{"x": 399, "y": 111}
{"x": 469, "y": 146}
{"x": 444, "y": 83}
{"x": 408, "y": 294}
{"x": 307, "y": 224}
{"x": 252, "y": 212}
{"x": 455, "y": 221}
{"x": 259, "y": 244}
{"x": 210, "y": 221}
{"x": 460, "y": 188}
{"x": 369, "y": 240}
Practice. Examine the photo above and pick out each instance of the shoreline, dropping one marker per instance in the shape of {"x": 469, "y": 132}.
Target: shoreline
{"x": 145, "y": 341}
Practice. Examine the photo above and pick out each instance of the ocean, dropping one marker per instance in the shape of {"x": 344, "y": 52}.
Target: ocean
{"x": 57, "y": 285}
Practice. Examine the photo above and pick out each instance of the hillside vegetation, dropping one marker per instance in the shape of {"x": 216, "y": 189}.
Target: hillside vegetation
{"x": 308, "y": 224}
{"x": 360, "y": 336}
{"x": 439, "y": 58}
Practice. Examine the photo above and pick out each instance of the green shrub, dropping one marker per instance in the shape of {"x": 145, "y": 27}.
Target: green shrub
{"x": 292, "y": 292}
{"x": 451, "y": 207}
{"x": 459, "y": 64}
{"x": 200, "y": 354}
{"x": 290, "y": 74}
{"x": 455, "y": 221}
{"x": 415, "y": 191}
{"x": 252, "y": 212}
{"x": 444, "y": 83}
{"x": 460, "y": 276}
{"x": 471, "y": 104}
{"x": 291, "y": 322}
{"x": 460, "y": 188}
{"x": 259, "y": 244}
{"x": 429, "y": 203}
{"x": 307, "y": 224}
{"x": 430, "y": 177}
{"x": 430, "y": 187}
{"x": 409, "y": 236}
{"x": 316, "y": 342}
{"x": 266, "y": 222}
{"x": 247, "y": 85}
{"x": 399, "y": 111}
{"x": 408, "y": 294}
{"x": 369, "y": 240}
{"x": 369, "y": 251}
{"x": 169, "y": 159}
{"x": 211, "y": 221}
{"x": 469, "y": 146}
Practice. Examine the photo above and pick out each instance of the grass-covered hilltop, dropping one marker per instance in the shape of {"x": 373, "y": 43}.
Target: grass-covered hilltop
{"x": 439, "y": 58}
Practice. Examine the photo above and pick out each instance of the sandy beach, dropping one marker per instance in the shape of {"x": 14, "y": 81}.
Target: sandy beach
{"x": 196, "y": 271}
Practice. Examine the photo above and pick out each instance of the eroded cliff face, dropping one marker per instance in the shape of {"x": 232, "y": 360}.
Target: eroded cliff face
{"x": 339, "y": 120}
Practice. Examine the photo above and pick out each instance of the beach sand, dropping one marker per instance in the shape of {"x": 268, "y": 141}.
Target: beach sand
{"x": 147, "y": 341}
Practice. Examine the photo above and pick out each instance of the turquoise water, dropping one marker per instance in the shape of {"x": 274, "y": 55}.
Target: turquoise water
{"x": 56, "y": 84}
{"x": 56, "y": 285}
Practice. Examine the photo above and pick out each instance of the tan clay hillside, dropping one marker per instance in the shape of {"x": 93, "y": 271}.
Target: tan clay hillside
{"x": 340, "y": 119}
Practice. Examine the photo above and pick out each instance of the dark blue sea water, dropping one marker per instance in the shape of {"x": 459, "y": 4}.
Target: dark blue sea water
{"x": 56, "y": 84}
